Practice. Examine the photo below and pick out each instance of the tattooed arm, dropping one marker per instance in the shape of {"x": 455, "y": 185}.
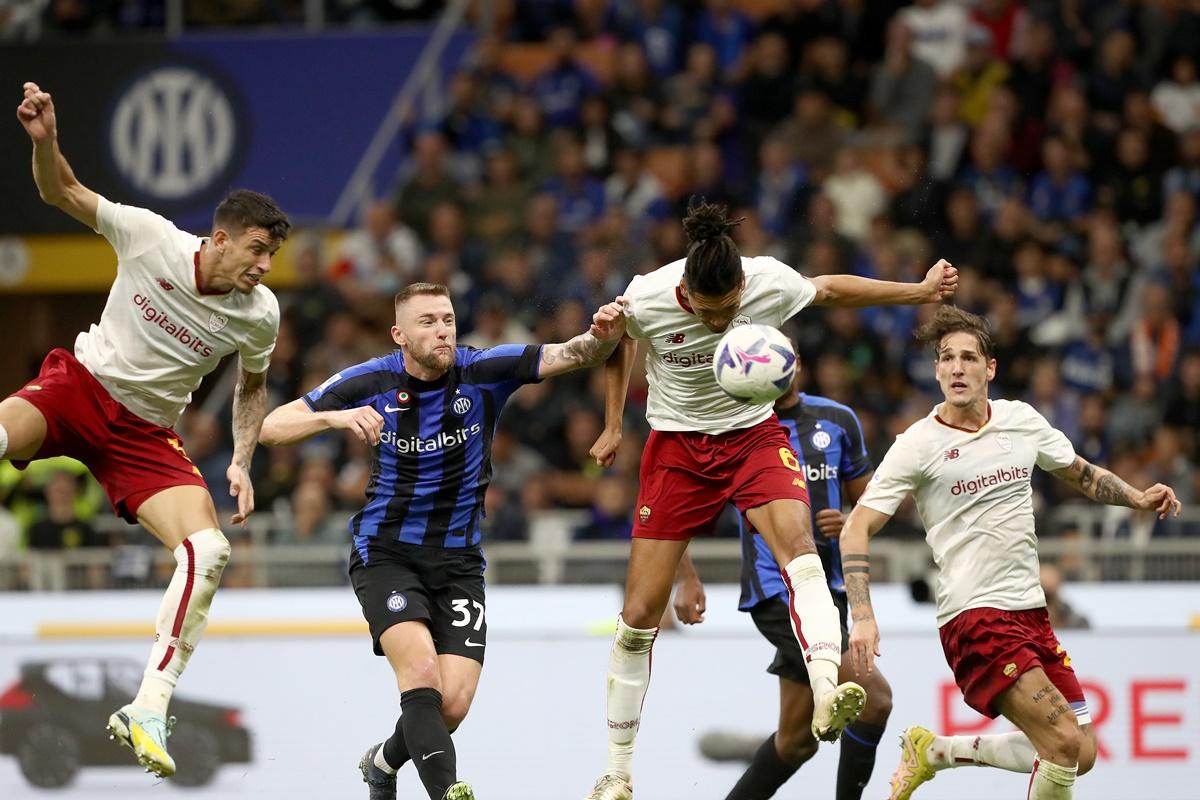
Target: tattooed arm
{"x": 1103, "y": 486}
{"x": 861, "y": 525}
{"x": 249, "y": 410}
{"x": 588, "y": 349}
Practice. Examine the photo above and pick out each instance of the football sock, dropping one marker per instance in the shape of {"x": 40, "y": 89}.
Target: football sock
{"x": 628, "y": 678}
{"x": 394, "y": 753}
{"x": 1010, "y": 751}
{"x": 859, "y": 742}
{"x": 766, "y": 773}
{"x": 183, "y": 615}
{"x": 1051, "y": 781}
{"x": 815, "y": 621}
{"x": 3, "y": 441}
{"x": 429, "y": 743}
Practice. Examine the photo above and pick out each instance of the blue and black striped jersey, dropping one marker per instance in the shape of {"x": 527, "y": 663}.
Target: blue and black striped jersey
{"x": 828, "y": 439}
{"x": 433, "y": 463}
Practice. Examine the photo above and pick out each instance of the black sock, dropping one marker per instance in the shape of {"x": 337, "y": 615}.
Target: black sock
{"x": 766, "y": 773}
{"x": 395, "y": 750}
{"x": 859, "y": 741}
{"x": 428, "y": 741}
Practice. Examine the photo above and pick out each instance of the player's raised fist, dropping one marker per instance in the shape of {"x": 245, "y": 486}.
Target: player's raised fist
{"x": 941, "y": 281}
{"x": 605, "y": 448}
{"x": 608, "y": 322}
{"x": 366, "y": 423}
{"x": 36, "y": 114}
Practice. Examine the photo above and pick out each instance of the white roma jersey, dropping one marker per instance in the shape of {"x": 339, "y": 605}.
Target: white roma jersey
{"x": 973, "y": 494}
{"x": 684, "y": 395}
{"x": 159, "y": 335}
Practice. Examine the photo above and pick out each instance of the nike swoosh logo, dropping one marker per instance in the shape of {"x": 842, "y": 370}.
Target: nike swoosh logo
{"x": 391, "y": 410}
{"x": 428, "y": 756}
{"x": 469, "y": 643}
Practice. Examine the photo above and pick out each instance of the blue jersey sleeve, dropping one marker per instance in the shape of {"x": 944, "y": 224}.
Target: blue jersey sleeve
{"x": 855, "y": 460}
{"x": 353, "y": 387}
{"x": 513, "y": 364}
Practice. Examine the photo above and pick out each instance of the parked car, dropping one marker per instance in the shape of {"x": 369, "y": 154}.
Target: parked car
{"x": 53, "y": 721}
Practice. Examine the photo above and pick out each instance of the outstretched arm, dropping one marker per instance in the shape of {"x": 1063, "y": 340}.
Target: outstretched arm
{"x": 616, "y": 386}
{"x": 296, "y": 422}
{"x": 861, "y": 525}
{"x": 1103, "y": 486}
{"x": 590, "y": 348}
{"x": 57, "y": 184}
{"x": 249, "y": 408}
{"x": 690, "y": 602}
{"x": 850, "y": 290}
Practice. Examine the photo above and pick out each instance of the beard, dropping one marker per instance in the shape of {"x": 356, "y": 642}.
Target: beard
{"x": 430, "y": 359}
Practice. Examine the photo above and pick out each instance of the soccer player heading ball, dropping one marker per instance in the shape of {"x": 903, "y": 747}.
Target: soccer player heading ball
{"x": 178, "y": 305}
{"x": 707, "y": 449}
{"x": 968, "y": 466}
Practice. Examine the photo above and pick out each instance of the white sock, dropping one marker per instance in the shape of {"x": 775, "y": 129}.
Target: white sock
{"x": 815, "y": 621}
{"x": 382, "y": 763}
{"x": 628, "y": 677}
{"x": 1052, "y": 781}
{"x": 183, "y": 615}
{"x": 3, "y": 441}
{"x": 1010, "y": 751}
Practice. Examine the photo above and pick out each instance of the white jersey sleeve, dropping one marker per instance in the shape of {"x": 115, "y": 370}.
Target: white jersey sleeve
{"x": 1054, "y": 449}
{"x": 255, "y": 351}
{"x": 896, "y": 477}
{"x": 130, "y": 230}
{"x": 633, "y": 326}
{"x": 796, "y": 292}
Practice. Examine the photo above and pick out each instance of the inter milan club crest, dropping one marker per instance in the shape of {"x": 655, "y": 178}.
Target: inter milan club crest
{"x": 1005, "y": 441}
{"x": 217, "y": 321}
{"x": 821, "y": 440}
{"x": 397, "y": 602}
{"x": 461, "y": 405}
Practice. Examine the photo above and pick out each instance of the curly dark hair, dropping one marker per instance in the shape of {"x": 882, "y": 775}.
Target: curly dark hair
{"x": 714, "y": 265}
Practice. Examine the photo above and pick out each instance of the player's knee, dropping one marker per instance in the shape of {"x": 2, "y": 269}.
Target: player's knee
{"x": 1087, "y": 753}
{"x": 1064, "y": 743}
{"x": 795, "y": 747}
{"x": 211, "y": 550}
{"x": 641, "y": 615}
{"x": 879, "y": 704}
{"x": 421, "y": 672}
{"x": 454, "y": 709}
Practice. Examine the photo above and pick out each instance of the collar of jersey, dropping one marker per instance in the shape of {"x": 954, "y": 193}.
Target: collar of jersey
{"x": 418, "y": 385}
{"x": 966, "y": 430}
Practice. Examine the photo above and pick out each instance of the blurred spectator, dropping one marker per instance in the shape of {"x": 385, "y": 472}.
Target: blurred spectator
{"x": 826, "y": 69}
{"x": 1062, "y": 616}
{"x": 1169, "y": 464}
{"x": 1088, "y": 363}
{"x": 856, "y": 193}
{"x": 578, "y": 196}
{"x": 312, "y": 520}
{"x": 529, "y": 141}
{"x": 688, "y": 94}
{"x": 635, "y": 190}
{"x": 815, "y": 135}
{"x": 1004, "y": 20}
{"x": 1113, "y": 77}
{"x": 948, "y": 136}
{"x": 1135, "y": 416}
{"x": 611, "y": 512}
{"x": 903, "y": 87}
{"x": 495, "y": 214}
{"x": 939, "y": 31}
{"x": 1013, "y": 349}
{"x": 987, "y": 174}
{"x": 467, "y": 127}
{"x": 1183, "y": 399}
{"x": 1093, "y": 435}
{"x": 599, "y": 138}
{"x": 768, "y": 87}
{"x": 561, "y": 88}
{"x": 430, "y": 184}
{"x": 1058, "y": 404}
{"x": 634, "y": 97}
{"x": 497, "y": 89}
{"x": 1060, "y": 193}
{"x": 312, "y": 299}
{"x": 549, "y": 249}
{"x": 779, "y": 192}
{"x": 1185, "y": 175}
{"x": 378, "y": 259}
{"x": 728, "y": 31}
{"x": 60, "y": 530}
{"x": 21, "y": 19}
{"x": 448, "y": 240}
{"x": 1177, "y": 99}
{"x": 658, "y": 26}
{"x": 960, "y": 241}
{"x": 979, "y": 75}
{"x": 1132, "y": 186}
{"x": 496, "y": 325}
{"x": 1155, "y": 338}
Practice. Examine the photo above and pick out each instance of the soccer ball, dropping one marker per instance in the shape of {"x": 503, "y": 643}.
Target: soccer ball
{"x": 754, "y": 363}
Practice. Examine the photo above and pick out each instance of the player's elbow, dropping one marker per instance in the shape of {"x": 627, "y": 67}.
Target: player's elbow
{"x": 271, "y": 434}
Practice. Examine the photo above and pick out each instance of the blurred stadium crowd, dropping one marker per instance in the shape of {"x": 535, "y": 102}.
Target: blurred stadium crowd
{"x": 1049, "y": 149}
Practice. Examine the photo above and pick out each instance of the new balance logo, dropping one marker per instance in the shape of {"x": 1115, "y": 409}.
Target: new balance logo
{"x": 165, "y": 284}
{"x": 673, "y": 338}
{"x": 950, "y": 455}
